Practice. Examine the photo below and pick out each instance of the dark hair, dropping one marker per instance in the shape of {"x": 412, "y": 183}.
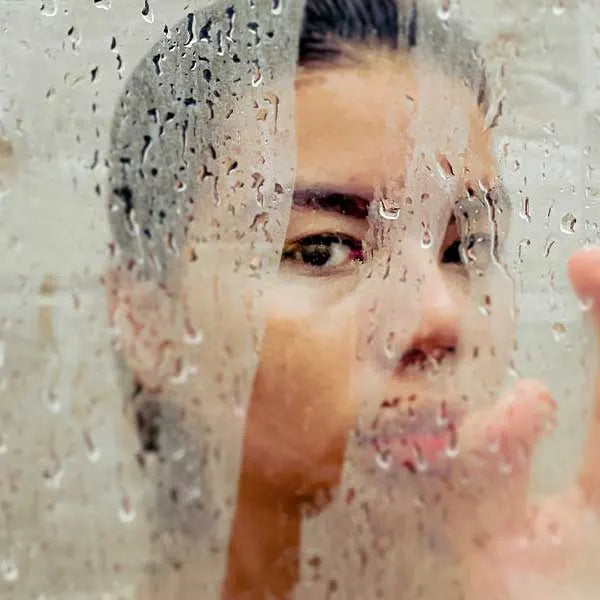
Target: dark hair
{"x": 383, "y": 23}
{"x": 351, "y": 20}
{"x": 167, "y": 112}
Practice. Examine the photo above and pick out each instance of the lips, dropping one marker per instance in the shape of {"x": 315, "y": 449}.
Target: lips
{"x": 418, "y": 450}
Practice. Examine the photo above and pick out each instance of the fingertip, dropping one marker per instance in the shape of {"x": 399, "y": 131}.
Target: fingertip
{"x": 584, "y": 272}
{"x": 534, "y": 392}
{"x": 530, "y": 411}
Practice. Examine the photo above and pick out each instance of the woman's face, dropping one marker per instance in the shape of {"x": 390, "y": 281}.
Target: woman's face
{"x": 380, "y": 323}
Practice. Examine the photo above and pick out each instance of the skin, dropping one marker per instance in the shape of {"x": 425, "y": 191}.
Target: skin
{"x": 311, "y": 373}
{"x": 336, "y": 341}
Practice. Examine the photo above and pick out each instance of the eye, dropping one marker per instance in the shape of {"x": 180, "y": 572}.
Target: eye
{"x": 451, "y": 254}
{"x": 323, "y": 251}
{"x": 474, "y": 247}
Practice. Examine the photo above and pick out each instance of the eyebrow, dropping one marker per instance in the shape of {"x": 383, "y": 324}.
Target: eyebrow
{"x": 332, "y": 200}
{"x": 355, "y": 205}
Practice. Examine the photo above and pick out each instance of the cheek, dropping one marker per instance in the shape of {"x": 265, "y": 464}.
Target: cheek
{"x": 302, "y": 407}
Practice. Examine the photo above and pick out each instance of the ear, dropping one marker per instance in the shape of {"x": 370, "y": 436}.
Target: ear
{"x": 142, "y": 316}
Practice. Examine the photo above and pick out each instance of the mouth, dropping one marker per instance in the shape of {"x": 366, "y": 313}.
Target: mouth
{"x": 419, "y": 446}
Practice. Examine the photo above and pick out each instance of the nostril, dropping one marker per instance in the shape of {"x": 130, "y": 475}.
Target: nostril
{"x": 414, "y": 356}
{"x": 422, "y": 358}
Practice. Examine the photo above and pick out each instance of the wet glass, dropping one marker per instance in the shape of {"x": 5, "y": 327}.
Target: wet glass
{"x": 301, "y": 299}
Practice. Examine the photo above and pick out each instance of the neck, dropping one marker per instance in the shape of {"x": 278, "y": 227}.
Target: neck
{"x": 264, "y": 546}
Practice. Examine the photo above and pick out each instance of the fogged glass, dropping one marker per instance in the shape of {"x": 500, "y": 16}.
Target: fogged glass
{"x": 296, "y": 305}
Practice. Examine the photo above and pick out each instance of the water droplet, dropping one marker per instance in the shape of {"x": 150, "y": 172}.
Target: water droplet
{"x": 443, "y": 11}
{"x": 445, "y": 167}
{"x": 257, "y": 75}
{"x": 559, "y": 330}
{"x": 193, "y": 495}
{"x": 255, "y": 263}
{"x": 183, "y": 374}
{"x": 105, "y": 4}
{"x": 421, "y": 465}
{"x": 550, "y": 242}
{"x": 49, "y": 8}
{"x": 585, "y": 304}
{"x": 494, "y": 446}
{"x": 556, "y": 538}
{"x": 388, "y": 213}
{"x": 567, "y": 223}
{"x": 93, "y": 453}
{"x": 389, "y": 346}
{"x": 239, "y": 410}
{"x": 126, "y": 511}
{"x": 54, "y": 477}
{"x": 426, "y": 237}
{"x": 52, "y": 400}
{"x": 384, "y": 460}
{"x": 193, "y": 337}
{"x": 9, "y": 570}
{"x": 442, "y": 416}
{"x": 505, "y": 467}
{"x": 521, "y": 246}
{"x": 452, "y": 450}
{"x": 147, "y": 13}
{"x": 487, "y": 303}
{"x": 525, "y": 214}
{"x": 178, "y": 454}
{"x": 559, "y": 8}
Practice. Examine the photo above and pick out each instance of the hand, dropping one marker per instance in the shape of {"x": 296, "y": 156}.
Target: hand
{"x": 512, "y": 548}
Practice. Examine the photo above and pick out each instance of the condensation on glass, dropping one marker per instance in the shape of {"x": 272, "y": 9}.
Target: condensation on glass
{"x": 287, "y": 307}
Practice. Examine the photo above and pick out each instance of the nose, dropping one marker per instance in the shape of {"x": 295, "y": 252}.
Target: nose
{"x": 437, "y": 329}
{"x": 433, "y": 334}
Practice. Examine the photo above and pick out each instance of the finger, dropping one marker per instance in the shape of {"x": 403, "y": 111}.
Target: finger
{"x": 496, "y": 446}
{"x": 506, "y": 434}
{"x": 528, "y": 413}
{"x": 584, "y": 272}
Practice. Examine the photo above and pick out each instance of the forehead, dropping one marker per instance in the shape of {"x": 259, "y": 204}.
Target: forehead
{"x": 359, "y": 123}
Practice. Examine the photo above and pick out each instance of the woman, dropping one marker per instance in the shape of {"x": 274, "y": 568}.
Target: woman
{"x": 373, "y": 355}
